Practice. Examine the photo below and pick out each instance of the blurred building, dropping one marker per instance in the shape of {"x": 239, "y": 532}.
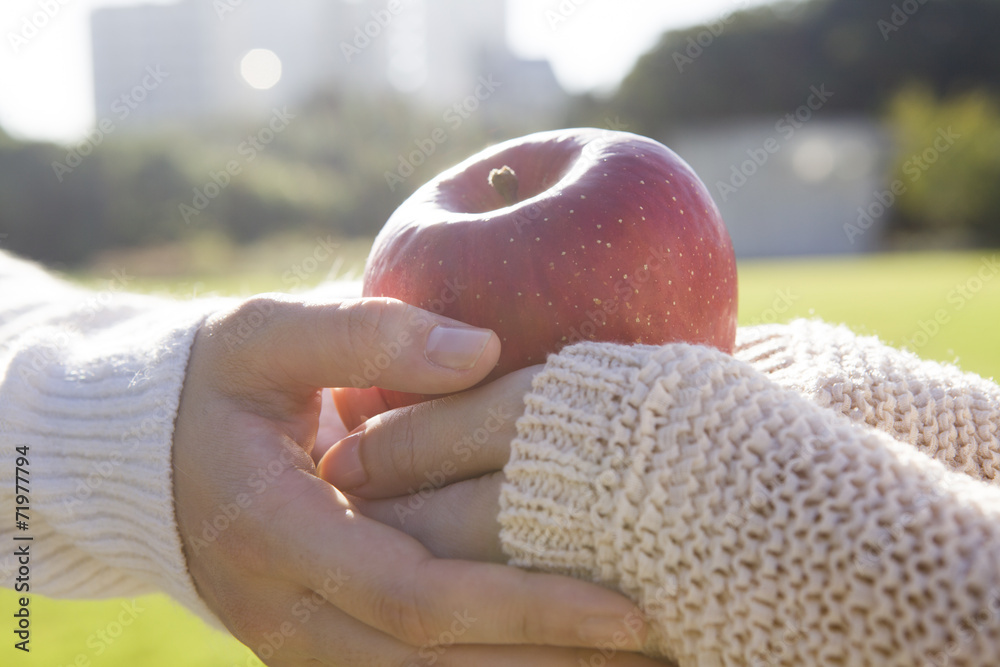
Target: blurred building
{"x": 434, "y": 50}
{"x": 791, "y": 188}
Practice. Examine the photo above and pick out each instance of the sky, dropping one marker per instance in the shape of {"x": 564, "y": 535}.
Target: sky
{"x": 45, "y": 75}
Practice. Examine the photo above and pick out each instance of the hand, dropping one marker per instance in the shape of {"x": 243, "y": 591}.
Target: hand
{"x": 288, "y": 563}
{"x": 433, "y": 470}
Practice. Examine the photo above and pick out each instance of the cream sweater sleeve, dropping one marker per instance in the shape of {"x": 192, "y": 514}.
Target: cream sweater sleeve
{"x": 950, "y": 415}
{"x": 89, "y": 386}
{"x": 751, "y": 524}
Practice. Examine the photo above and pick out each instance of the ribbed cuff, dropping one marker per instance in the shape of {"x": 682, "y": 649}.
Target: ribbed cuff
{"x": 96, "y": 408}
{"x": 584, "y": 457}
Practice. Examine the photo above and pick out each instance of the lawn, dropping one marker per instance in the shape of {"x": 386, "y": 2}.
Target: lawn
{"x": 942, "y": 306}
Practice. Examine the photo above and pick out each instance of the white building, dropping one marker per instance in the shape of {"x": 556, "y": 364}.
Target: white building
{"x": 433, "y": 49}
{"x": 794, "y": 187}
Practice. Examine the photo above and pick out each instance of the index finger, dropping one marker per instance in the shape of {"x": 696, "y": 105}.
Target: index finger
{"x": 391, "y": 582}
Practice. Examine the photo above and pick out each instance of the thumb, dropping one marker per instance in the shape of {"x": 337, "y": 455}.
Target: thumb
{"x": 369, "y": 342}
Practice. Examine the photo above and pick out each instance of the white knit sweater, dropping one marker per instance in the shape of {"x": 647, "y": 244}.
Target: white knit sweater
{"x": 90, "y": 383}
{"x": 734, "y": 499}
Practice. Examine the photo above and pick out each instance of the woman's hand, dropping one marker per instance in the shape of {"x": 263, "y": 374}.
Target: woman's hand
{"x": 288, "y": 563}
{"x": 432, "y": 470}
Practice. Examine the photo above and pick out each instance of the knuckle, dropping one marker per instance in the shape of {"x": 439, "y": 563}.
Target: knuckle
{"x": 244, "y": 325}
{"x": 366, "y": 321}
{"x": 402, "y": 446}
{"x": 525, "y": 623}
{"x": 402, "y": 615}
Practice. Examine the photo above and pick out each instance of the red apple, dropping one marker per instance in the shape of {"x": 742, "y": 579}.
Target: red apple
{"x": 560, "y": 237}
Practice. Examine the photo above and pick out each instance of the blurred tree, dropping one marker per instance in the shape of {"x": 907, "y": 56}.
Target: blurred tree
{"x": 341, "y": 166}
{"x": 948, "y": 161}
{"x": 763, "y": 61}
{"x": 42, "y": 217}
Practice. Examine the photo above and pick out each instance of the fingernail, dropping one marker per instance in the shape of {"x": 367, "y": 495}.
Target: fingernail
{"x": 342, "y": 465}
{"x": 457, "y": 349}
{"x": 621, "y": 632}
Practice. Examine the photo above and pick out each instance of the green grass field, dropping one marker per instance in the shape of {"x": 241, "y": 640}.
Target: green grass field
{"x": 942, "y": 306}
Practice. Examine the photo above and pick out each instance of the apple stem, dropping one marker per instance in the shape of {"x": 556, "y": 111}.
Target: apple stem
{"x": 504, "y": 181}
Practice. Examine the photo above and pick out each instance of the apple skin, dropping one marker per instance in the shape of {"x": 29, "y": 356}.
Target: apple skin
{"x": 611, "y": 237}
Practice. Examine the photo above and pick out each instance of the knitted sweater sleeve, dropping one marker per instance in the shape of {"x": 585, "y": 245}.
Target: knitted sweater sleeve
{"x": 952, "y": 416}
{"x": 751, "y": 525}
{"x": 89, "y": 389}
